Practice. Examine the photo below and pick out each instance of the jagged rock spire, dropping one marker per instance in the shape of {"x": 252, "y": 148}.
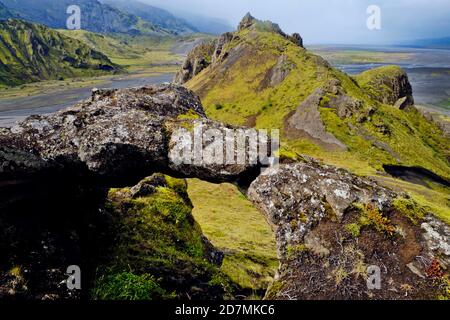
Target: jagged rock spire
{"x": 246, "y": 22}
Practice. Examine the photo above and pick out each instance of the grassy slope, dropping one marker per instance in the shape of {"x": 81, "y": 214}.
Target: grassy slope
{"x": 136, "y": 53}
{"x": 338, "y": 55}
{"x": 139, "y": 55}
{"x": 233, "y": 96}
{"x": 234, "y": 226}
{"x": 30, "y": 52}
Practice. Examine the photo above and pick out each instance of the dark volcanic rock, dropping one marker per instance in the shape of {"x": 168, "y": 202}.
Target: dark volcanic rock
{"x": 331, "y": 226}
{"x": 56, "y": 170}
{"x": 117, "y": 135}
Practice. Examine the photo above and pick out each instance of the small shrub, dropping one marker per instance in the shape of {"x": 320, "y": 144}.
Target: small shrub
{"x": 378, "y": 221}
{"x": 354, "y": 229}
{"x": 409, "y": 208}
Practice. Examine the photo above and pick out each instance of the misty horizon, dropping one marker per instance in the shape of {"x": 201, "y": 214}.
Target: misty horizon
{"x": 330, "y": 22}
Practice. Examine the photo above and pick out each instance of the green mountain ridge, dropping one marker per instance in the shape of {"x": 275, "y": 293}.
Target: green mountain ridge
{"x": 153, "y": 15}
{"x": 31, "y": 52}
{"x": 262, "y": 78}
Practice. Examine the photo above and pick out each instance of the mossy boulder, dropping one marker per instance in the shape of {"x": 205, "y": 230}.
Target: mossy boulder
{"x": 156, "y": 250}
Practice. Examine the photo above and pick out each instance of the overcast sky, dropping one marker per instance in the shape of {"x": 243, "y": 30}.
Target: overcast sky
{"x": 332, "y": 21}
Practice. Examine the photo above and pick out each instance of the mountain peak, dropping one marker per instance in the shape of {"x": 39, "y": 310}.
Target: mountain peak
{"x": 250, "y": 22}
{"x": 247, "y": 22}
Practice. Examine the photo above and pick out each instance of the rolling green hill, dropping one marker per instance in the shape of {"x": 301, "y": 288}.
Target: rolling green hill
{"x": 261, "y": 77}
{"x": 30, "y": 52}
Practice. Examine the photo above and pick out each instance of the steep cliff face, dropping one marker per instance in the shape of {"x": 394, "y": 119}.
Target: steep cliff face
{"x": 388, "y": 85}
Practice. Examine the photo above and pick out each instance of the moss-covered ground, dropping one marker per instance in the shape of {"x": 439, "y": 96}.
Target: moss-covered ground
{"x": 234, "y": 226}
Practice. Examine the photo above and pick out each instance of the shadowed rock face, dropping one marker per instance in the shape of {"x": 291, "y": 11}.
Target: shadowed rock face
{"x": 331, "y": 226}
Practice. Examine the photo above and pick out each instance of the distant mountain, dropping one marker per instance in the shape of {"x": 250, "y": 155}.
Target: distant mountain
{"x": 433, "y": 43}
{"x": 31, "y": 52}
{"x": 205, "y": 24}
{"x": 95, "y": 16}
{"x": 153, "y": 15}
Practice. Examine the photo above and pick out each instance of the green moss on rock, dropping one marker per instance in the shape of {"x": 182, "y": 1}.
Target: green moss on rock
{"x": 156, "y": 237}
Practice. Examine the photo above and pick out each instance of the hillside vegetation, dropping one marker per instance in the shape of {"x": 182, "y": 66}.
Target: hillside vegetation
{"x": 141, "y": 53}
{"x": 259, "y": 76}
{"x": 153, "y": 15}
{"x": 95, "y": 16}
{"x": 30, "y": 52}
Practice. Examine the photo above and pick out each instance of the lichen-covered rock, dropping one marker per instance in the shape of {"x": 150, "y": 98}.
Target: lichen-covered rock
{"x": 116, "y": 134}
{"x": 333, "y": 227}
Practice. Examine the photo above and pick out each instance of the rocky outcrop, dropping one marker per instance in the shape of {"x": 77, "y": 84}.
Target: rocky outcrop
{"x": 197, "y": 60}
{"x": 209, "y": 54}
{"x": 203, "y": 56}
{"x": 333, "y": 229}
{"x": 249, "y": 23}
{"x": 56, "y": 170}
{"x": 389, "y": 85}
{"x": 306, "y": 121}
{"x": 278, "y": 73}
{"x": 116, "y": 135}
